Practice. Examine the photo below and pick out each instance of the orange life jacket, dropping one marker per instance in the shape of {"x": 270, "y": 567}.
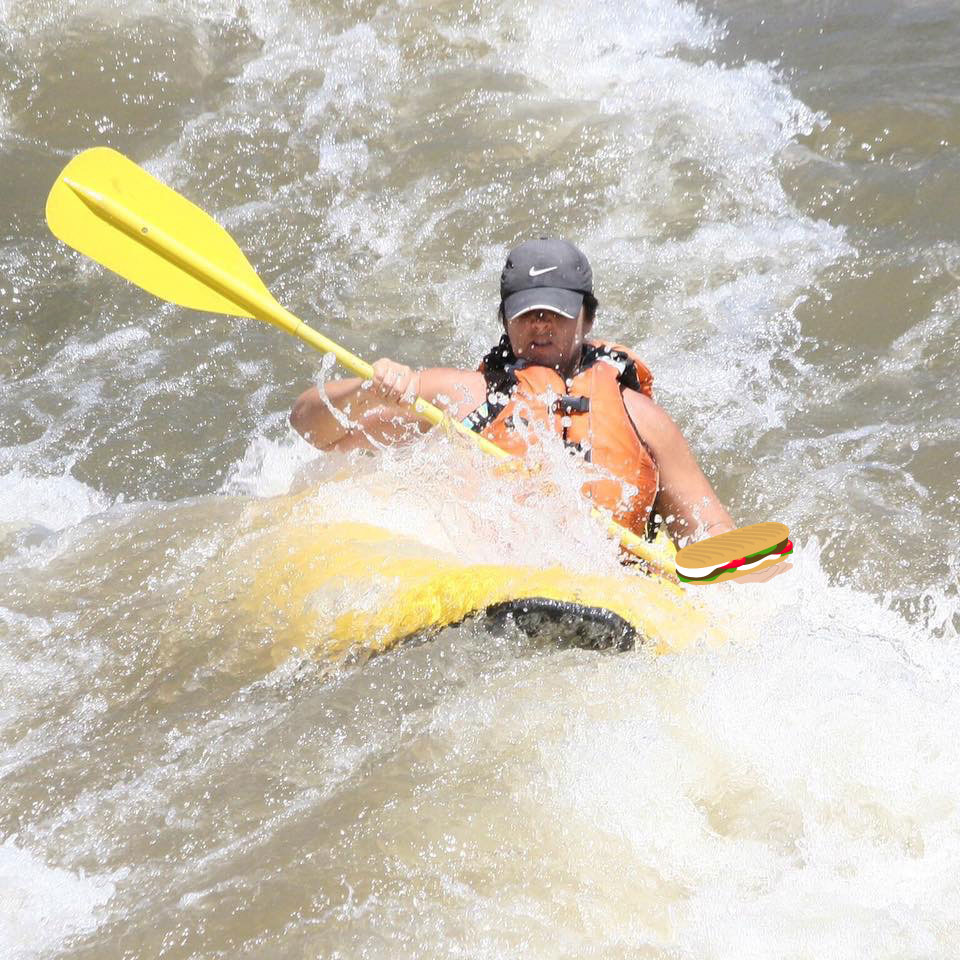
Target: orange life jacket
{"x": 587, "y": 412}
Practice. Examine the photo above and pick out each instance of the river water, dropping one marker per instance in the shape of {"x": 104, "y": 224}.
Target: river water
{"x": 770, "y": 195}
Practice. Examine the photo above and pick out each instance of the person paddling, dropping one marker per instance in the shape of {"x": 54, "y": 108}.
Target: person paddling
{"x": 545, "y": 375}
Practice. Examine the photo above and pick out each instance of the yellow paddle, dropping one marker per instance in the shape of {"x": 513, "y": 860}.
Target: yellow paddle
{"x": 113, "y": 211}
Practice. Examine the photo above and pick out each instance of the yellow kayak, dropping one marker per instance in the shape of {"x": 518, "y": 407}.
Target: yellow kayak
{"x": 335, "y": 587}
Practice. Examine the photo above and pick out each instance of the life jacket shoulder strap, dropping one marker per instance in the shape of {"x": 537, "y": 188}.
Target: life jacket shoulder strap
{"x": 484, "y": 415}
{"x": 634, "y": 373}
{"x": 497, "y": 368}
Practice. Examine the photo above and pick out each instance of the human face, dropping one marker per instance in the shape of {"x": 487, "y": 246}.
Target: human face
{"x": 548, "y": 339}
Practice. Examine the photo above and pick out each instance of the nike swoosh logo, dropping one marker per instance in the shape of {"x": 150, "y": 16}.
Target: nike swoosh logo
{"x": 536, "y": 273}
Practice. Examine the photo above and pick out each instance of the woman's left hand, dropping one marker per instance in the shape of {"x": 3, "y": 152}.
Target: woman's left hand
{"x": 762, "y": 576}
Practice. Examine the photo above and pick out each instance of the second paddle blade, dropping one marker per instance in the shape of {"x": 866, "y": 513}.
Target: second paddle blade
{"x": 112, "y": 175}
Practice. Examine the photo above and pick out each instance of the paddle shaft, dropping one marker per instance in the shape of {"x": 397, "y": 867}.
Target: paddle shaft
{"x": 264, "y": 307}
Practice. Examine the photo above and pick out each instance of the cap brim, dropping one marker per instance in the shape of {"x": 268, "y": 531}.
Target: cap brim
{"x": 565, "y": 302}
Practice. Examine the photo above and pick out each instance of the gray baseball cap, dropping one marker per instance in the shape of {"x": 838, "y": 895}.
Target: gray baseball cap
{"x": 545, "y": 274}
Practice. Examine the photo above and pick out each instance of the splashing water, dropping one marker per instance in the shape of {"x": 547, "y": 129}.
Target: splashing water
{"x": 181, "y": 778}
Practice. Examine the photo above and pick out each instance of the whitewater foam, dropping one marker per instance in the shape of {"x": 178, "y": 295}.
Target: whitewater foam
{"x": 45, "y": 905}
{"x": 53, "y": 503}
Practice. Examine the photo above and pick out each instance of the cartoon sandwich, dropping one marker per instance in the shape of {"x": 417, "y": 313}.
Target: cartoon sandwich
{"x": 731, "y": 555}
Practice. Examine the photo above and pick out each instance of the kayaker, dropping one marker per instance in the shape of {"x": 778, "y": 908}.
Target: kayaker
{"x": 545, "y": 374}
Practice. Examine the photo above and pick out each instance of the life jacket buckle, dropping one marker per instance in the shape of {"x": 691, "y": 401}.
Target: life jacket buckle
{"x": 568, "y": 404}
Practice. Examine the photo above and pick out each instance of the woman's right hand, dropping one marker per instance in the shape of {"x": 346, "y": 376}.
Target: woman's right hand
{"x": 395, "y": 382}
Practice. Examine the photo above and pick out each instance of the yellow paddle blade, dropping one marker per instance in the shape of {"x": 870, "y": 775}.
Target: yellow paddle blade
{"x": 104, "y": 173}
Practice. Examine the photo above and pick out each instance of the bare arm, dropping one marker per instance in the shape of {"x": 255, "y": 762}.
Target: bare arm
{"x": 686, "y": 500}
{"x": 685, "y": 495}
{"x": 349, "y": 415}
{"x": 355, "y": 414}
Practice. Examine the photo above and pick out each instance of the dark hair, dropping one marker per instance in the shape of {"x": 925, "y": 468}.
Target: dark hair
{"x": 590, "y": 304}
